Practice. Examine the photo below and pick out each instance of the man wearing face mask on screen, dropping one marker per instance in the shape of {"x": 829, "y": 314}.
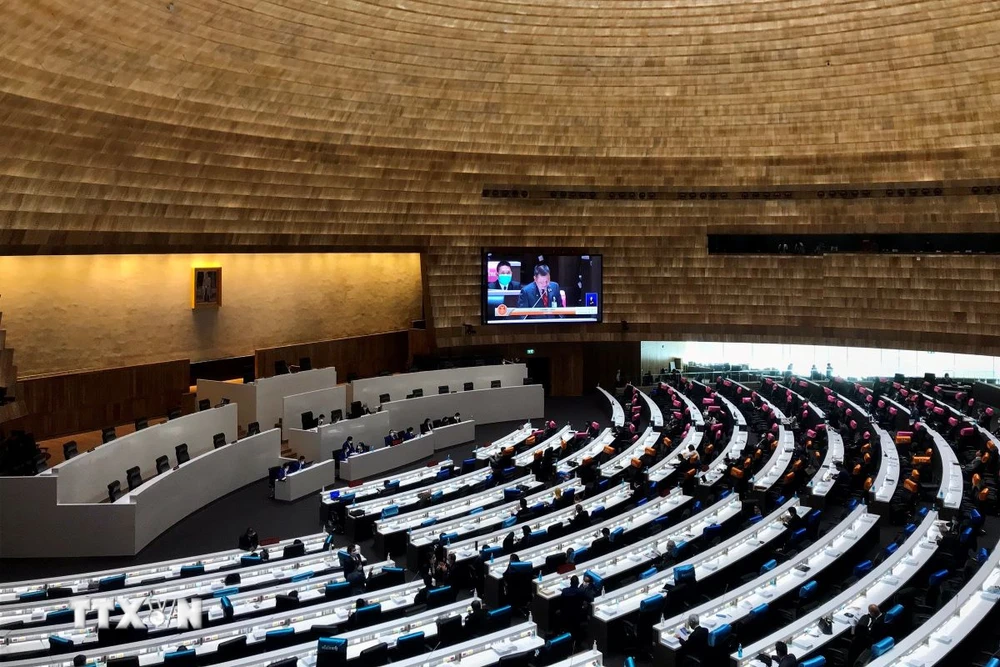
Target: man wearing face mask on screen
{"x": 540, "y": 293}
{"x": 505, "y": 278}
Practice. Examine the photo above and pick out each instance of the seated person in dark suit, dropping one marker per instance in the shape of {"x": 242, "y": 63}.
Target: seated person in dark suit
{"x": 508, "y": 542}
{"x": 602, "y": 544}
{"x": 409, "y": 435}
{"x": 783, "y": 657}
{"x": 523, "y": 514}
{"x": 351, "y": 622}
{"x": 573, "y": 591}
{"x": 580, "y": 520}
{"x": 541, "y": 292}
{"x": 694, "y": 639}
{"x": 476, "y": 620}
{"x": 505, "y": 277}
{"x": 348, "y": 448}
{"x": 590, "y": 588}
{"x": 793, "y": 521}
{"x": 525, "y": 540}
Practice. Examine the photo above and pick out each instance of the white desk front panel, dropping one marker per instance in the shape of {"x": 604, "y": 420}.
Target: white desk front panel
{"x": 486, "y": 406}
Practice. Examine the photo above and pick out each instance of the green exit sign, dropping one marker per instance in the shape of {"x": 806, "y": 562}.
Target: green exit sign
{"x": 530, "y": 350}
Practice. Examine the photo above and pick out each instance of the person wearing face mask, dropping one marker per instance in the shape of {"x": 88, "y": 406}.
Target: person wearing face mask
{"x": 505, "y": 278}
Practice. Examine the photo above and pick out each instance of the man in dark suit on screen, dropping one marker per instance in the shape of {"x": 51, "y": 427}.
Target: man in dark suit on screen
{"x": 541, "y": 292}
{"x": 505, "y": 278}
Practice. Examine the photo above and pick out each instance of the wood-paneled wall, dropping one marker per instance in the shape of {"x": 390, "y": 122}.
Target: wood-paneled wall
{"x": 293, "y": 124}
{"x": 365, "y": 356}
{"x": 70, "y": 403}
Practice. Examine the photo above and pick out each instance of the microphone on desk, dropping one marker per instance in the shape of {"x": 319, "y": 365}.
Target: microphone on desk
{"x": 534, "y": 304}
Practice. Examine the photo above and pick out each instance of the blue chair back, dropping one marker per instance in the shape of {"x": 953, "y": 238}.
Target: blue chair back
{"x": 711, "y": 530}
{"x": 509, "y": 521}
{"x": 32, "y": 595}
{"x": 368, "y": 615}
{"x": 768, "y": 566}
{"x": 725, "y": 494}
{"x": 227, "y": 604}
{"x": 408, "y": 641}
{"x": 891, "y": 549}
{"x": 448, "y": 537}
{"x": 993, "y": 662}
{"x": 492, "y": 552}
{"x": 684, "y": 573}
{"x": 59, "y": 616}
{"x": 439, "y": 596}
{"x": 648, "y": 573}
{"x": 428, "y": 522}
{"x": 629, "y": 662}
{"x": 937, "y": 577}
{"x": 807, "y": 590}
{"x": 603, "y": 484}
{"x": 568, "y": 494}
{"x": 192, "y": 570}
{"x": 478, "y": 510}
{"x": 344, "y": 557}
{"x": 862, "y": 568}
{"x": 909, "y": 528}
{"x": 922, "y": 512}
{"x": 757, "y": 518}
{"x": 616, "y": 533}
{"x": 758, "y": 611}
{"x": 799, "y": 534}
{"x": 579, "y": 554}
{"x": 538, "y": 535}
{"x": 596, "y": 511}
{"x": 186, "y": 654}
{"x": 511, "y": 494}
{"x": 348, "y": 498}
{"x": 642, "y": 501}
{"x": 223, "y": 592}
{"x": 437, "y": 495}
{"x": 521, "y": 567}
{"x": 965, "y": 536}
{"x": 719, "y": 635}
{"x": 652, "y": 605}
{"x": 59, "y": 644}
{"x": 443, "y": 474}
{"x": 251, "y": 560}
{"x": 392, "y": 486}
{"x": 390, "y": 511}
{"x": 816, "y": 661}
{"x": 696, "y": 507}
{"x": 500, "y": 617}
{"x": 338, "y": 590}
{"x": 882, "y": 647}
{"x": 893, "y": 614}
{"x": 598, "y": 579}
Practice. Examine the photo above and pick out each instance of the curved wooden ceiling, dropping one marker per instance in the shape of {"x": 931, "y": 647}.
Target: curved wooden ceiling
{"x": 288, "y": 123}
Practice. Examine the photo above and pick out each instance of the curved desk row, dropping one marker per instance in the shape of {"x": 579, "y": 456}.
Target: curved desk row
{"x": 804, "y": 636}
{"x": 952, "y": 481}
{"x": 855, "y": 530}
{"x": 930, "y": 643}
{"x": 617, "y": 412}
{"x": 655, "y": 413}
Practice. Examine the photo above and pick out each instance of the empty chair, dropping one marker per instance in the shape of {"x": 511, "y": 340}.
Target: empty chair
{"x": 141, "y": 423}
{"x": 174, "y": 413}
{"x": 417, "y": 393}
{"x": 182, "y": 453}
{"x": 336, "y": 416}
{"x": 108, "y": 434}
{"x": 383, "y": 398}
{"x": 468, "y": 386}
{"x": 281, "y": 367}
{"x": 114, "y": 490}
{"x": 650, "y": 612}
{"x": 450, "y": 631}
{"x": 308, "y": 421}
{"x": 517, "y": 660}
{"x": 253, "y": 428}
{"x": 219, "y": 440}
{"x": 134, "y": 477}
{"x": 374, "y": 656}
{"x": 204, "y": 404}
{"x": 409, "y": 645}
{"x": 443, "y": 389}
{"x": 305, "y": 364}
{"x": 162, "y": 464}
{"x": 69, "y": 449}
{"x": 494, "y": 384}
{"x": 556, "y": 649}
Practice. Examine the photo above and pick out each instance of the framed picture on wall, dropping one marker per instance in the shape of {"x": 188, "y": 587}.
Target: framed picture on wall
{"x": 206, "y": 287}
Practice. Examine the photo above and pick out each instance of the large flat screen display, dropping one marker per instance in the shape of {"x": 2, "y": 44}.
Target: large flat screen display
{"x": 526, "y": 287}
